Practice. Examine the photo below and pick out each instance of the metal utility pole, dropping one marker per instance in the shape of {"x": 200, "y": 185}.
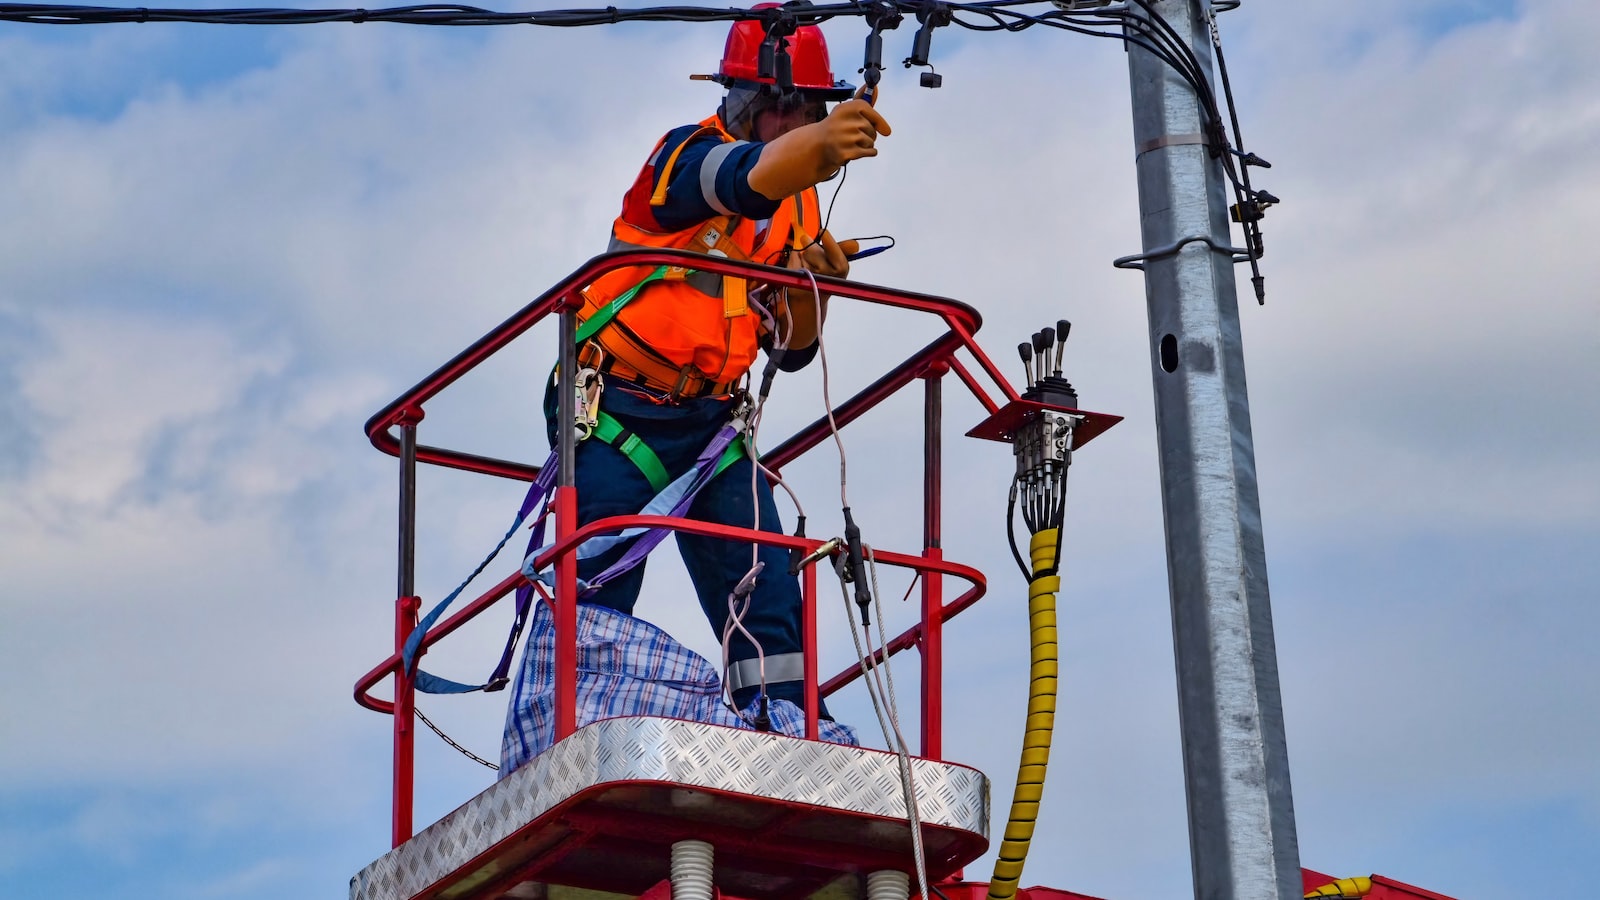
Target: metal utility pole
{"x": 1236, "y": 765}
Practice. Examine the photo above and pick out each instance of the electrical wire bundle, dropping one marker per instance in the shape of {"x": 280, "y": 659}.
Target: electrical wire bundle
{"x": 1135, "y": 22}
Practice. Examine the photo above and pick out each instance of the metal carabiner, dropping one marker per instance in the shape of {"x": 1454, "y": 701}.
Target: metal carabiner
{"x": 586, "y": 411}
{"x": 742, "y": 408}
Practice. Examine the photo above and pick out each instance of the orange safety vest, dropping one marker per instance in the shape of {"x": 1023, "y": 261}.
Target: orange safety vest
{"x": 690, "y": 332}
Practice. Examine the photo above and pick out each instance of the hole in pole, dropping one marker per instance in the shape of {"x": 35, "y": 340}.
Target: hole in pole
{"x": 1169, "y": 353}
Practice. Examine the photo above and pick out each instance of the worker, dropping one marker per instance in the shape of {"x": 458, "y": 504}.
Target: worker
{"x": 675, "y": 357}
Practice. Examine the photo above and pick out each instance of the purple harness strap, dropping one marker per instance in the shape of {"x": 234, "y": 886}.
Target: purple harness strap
{"x": 705, "y": 468}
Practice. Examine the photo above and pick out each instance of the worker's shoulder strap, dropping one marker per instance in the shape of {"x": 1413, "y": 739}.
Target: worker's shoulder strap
{"x": 609, "y": 430}
{"x": 710, "y": 127}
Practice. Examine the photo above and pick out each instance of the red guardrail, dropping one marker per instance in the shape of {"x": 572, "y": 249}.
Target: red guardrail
{"x": 930, "y": 364}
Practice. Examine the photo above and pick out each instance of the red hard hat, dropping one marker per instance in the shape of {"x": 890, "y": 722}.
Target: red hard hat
{"x": 808, "y": 55}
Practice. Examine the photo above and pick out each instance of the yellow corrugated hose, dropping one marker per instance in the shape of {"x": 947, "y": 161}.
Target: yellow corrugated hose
{"x": 1344, "y": 888}
{"x": 1041, "y": 718}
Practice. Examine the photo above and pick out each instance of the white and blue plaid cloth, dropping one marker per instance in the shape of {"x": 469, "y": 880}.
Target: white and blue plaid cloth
{"x": 626, "y": 667}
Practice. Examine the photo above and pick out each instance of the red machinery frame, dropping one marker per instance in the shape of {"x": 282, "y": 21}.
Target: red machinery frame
{"x": 929, "y": 364}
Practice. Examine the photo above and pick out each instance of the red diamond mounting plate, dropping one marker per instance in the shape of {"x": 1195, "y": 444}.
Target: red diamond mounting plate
{"x": 1003, "y": 425}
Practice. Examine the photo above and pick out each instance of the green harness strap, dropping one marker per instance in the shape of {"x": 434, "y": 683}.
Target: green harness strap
{"x": 609, "y": 430}
{"x": 603, "y": 316}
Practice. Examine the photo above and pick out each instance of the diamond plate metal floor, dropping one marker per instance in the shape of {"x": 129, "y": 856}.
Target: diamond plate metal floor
{"x": 600, "y": 810}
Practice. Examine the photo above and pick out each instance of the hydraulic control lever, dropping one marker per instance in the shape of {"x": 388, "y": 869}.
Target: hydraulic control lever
{"x": 1043, "y": 443}
{"x": 1051, "y": 388}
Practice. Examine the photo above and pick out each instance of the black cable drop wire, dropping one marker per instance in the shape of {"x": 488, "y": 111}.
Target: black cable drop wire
{"x": 459, "y": 14}
{"x": 1249, "y": 203}
{"x": 1134, "y": 29}
{"x": 1251, "y": 213}
{"x": 1157, "y": 36}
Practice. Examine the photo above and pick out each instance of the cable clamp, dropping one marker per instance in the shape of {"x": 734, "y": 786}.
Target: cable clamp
{"x": 1253, "y": 209}
{"x": 1137, "y": 260}
{"x": 931, "y": 14}
{"x": 881, "y": 16}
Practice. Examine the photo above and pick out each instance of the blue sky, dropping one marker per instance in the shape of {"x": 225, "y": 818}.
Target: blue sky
{"x": 223, "y": 249}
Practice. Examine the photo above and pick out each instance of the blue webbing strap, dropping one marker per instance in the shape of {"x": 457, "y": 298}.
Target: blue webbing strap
{"x": 429, "y": 683}
{"x": 723, "y": 450}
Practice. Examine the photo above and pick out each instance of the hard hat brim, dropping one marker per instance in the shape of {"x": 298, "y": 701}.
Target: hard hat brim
{"x": 840, "y": 90}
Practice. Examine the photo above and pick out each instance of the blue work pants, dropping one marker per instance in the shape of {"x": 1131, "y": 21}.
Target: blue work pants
{"x": 610, "y": 484}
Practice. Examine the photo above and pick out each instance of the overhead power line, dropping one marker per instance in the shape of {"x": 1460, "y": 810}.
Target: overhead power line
{"x": 1133, "y": 22}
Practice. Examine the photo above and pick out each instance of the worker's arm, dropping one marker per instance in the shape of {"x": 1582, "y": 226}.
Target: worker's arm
{"x": 709, "y": 179}
{"x": 811, "y": 154}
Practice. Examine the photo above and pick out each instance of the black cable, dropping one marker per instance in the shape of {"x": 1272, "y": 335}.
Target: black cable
{"x": 1060, "y": 519}
{"x": 827, "y": 217}
{"x": 1150, "y": 31}
{"x": 1250, "y": 216}
{"x": 444, "y": 14}
{"x": 1011, "y": 531}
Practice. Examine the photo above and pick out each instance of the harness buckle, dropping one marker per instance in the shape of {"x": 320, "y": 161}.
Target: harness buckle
{"x": 679, "y": 390}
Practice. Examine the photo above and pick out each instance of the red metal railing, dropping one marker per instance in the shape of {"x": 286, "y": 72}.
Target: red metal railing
{"x": 930, "y": 364}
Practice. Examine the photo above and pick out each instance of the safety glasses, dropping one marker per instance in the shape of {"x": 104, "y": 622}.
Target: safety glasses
{"x": 815, "y": 109}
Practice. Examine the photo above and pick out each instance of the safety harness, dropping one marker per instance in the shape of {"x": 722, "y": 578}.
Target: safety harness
{"x": 673, "y": 498}
{"x": 714, "y": 237}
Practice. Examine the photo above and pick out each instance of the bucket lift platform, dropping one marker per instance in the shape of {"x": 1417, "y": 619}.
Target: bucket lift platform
{"x": 603, "y": 813}
{"x": 601, "y": 809}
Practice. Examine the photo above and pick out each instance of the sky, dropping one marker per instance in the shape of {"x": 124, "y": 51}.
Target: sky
{"x": 222, "y": 249}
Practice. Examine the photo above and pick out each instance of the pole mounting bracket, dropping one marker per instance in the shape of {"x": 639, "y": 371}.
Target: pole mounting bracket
{"x": 1138, "y": 260}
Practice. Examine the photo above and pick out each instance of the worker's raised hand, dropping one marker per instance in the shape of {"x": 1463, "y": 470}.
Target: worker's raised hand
{"x": 851, "y": 132}
{"x": 812, "y": 153}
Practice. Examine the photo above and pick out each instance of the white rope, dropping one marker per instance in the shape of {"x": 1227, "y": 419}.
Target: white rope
{"x": 827, "y": 400}
{"x": 913, "y": 814}
{"x": 889, "y": 723}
